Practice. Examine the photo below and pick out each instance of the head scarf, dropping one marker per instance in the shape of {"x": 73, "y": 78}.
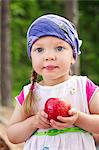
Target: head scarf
{"x": 53, "y": 25}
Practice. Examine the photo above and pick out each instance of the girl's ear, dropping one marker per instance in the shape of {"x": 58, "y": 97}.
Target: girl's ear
{"x": 72, "y": 61}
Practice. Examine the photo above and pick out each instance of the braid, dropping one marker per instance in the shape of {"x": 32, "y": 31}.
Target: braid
{"x": 30, "y": 100}
{"x": 33, "y": 77}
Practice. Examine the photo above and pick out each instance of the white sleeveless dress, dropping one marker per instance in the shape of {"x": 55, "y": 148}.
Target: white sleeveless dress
{"x": 73, "y": 91}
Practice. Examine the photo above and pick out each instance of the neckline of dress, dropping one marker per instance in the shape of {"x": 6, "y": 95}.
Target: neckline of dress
{"x": 57, "y": 85}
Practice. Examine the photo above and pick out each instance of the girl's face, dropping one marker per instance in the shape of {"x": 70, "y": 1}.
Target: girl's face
{"x": 52, "y": 58}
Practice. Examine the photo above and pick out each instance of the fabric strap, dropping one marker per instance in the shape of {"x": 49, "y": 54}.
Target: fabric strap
{"x": 54, "y": 132}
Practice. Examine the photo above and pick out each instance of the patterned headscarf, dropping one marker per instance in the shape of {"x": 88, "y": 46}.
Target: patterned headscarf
{"x": 53, "y": 25}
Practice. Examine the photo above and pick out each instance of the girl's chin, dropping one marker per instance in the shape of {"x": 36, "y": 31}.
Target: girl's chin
{"x": 52, "y": 81}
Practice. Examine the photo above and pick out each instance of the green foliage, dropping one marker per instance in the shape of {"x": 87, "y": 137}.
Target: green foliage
{"x": 89, "y": 23}
{"x": 22, "y": 14}
{"x": 52, "y": 6}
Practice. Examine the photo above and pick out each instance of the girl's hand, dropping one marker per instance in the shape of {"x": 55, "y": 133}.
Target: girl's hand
{"x": 65, "y": 122}
{"x": 41, "y": 120}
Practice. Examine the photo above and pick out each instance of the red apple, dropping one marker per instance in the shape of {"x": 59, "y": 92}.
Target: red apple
{"x": 55, "y": 107}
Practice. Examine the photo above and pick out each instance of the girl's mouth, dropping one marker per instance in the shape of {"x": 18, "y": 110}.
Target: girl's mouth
{"x": 50, "y": 67}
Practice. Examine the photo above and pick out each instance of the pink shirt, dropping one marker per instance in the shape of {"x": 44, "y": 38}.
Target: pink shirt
{"x": 90, "y": 89}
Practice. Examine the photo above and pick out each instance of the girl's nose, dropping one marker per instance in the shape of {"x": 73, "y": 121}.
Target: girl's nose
{"x": 50, "y": 57}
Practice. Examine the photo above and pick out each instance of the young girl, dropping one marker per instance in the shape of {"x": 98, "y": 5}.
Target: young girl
{"x": 53, "y": 47}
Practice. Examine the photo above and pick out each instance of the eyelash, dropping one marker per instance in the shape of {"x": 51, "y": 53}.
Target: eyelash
{"x": 58, "y": 48}
{"x": 39, "y": 50}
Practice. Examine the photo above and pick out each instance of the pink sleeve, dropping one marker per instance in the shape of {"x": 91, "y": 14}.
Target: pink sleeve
{"x": 20, "y": 97}
{"x": 90, "y": 89}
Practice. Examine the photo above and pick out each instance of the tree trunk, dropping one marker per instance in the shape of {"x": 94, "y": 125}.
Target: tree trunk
{"x": 0, "y": 52}
{"x": 71, "y": 13}
{"x": 5, "y": 55}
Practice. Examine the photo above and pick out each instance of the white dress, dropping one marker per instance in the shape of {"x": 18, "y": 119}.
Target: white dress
{"x": 74, "y": 92}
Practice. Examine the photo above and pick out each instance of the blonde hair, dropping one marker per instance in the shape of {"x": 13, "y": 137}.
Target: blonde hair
{"x": 30, "y": 101}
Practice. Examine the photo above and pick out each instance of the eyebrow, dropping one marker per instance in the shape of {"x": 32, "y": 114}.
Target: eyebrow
{"x": 37, "y": 45}
{"x": 60, "y": 42}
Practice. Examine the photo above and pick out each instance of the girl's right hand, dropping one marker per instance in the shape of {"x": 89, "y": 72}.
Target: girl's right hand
{"x": 41, "y": 120}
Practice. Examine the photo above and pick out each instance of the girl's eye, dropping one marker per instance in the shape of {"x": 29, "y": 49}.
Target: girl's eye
{"x": 39, "y": 49}
{"x": 60, "y": 48}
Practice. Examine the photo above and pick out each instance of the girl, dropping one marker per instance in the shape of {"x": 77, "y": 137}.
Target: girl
{"x": 53, "y": 46}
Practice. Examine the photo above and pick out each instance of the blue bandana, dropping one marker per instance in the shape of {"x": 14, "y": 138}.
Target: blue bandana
{"x": 53, "y": 25}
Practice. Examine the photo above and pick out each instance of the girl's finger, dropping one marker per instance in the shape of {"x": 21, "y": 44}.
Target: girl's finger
{"x": 66, "y": 119}
{"x": 72, "y": 112}
{"x": 58, "y": 125}
{"x": 43, "y": 125}
{"x": 62, "y": 119}
{"x": 46, "y": 121}
{"x": 44, "y": 114}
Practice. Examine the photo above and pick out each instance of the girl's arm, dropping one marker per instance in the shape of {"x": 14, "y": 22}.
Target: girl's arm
{"x": 22, "y": 126}
{"x": 96, "y": 137}
{"x": 90, "y": 122}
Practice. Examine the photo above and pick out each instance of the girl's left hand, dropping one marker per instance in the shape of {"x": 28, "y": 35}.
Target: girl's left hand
{"x": 65, "y": 122}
